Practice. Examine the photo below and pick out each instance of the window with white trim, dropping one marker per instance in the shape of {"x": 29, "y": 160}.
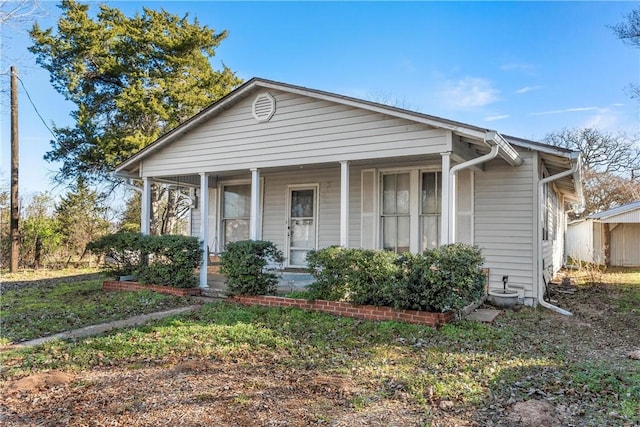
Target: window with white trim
{"x": 236, "y": 212}
{"x": 430, "y": 209}
{"x": 396, "y": 216}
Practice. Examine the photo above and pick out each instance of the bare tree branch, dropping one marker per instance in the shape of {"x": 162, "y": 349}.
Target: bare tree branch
{"x": 18, "y": 12}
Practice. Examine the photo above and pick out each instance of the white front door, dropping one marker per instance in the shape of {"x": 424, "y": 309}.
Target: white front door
{"x": 302, "y": 223}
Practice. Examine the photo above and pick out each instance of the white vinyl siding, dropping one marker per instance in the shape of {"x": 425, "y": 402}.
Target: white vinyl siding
{"x": 503, "y": 224}
{"x": 369, "y": 201}
{"x": 303, "y": 130}
{"x": 276, "y": 192}
{"x": 464, "y": 207}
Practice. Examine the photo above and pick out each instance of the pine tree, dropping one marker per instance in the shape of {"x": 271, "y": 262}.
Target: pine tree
{"x": 81, "y": 217}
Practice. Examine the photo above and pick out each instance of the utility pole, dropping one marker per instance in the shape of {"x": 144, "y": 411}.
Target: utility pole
{"x": 15, "y": 209}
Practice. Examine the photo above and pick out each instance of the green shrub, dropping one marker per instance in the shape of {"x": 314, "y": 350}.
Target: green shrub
{"x": 172, "y": 261}
{"x": 360, "y": 276}
{"x": 246, "y": 266}
{"x": 439, "y": 280}
{"x": 329, "y": 267}
{"x": 121, "y": 252}
{"x": 160, "y": 260}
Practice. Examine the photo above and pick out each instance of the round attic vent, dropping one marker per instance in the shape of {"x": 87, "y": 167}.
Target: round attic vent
{"x": 264, "y": 107}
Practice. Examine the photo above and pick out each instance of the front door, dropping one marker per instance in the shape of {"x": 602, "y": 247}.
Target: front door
{"x": 302, "y": 224}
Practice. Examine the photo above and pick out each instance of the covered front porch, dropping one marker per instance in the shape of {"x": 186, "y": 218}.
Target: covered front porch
{"x": 398, "y": 203}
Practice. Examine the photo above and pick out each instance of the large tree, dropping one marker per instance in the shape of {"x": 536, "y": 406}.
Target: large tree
{"x": 131, "y": 79}
{"x": 611, "y": 164}
{"x": 629, "y": 32}
{"x": 601, "y": 151}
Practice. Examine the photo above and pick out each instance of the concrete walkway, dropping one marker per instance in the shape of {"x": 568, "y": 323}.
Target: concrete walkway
{"x": 483, "y": 315}
{"x": 105, "y": 327}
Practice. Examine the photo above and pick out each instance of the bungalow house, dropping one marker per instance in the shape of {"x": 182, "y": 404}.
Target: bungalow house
{"x": 611, "y": 237}
{"x": 307, "y": 169}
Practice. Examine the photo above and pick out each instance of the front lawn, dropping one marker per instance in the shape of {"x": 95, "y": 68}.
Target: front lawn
{"x": 232, "y": 365}
{"x": 36, "y": 304}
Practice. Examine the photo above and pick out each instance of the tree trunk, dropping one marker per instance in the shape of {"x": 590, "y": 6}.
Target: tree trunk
{"x": 38, "y": 253}
{"x": 170, "y": 213}
{"x": 157, "y": 193}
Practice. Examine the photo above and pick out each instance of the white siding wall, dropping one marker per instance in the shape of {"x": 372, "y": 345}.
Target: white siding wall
{"x": 274, "y": 225}
{"x": 553, "y": 247}
{"x": 598, "y": 243}
{"x": 557, "y": 256}
{"x": 627, "y": 217}
{"x": 625, "y": 245}
{"x": 303, "y": 130}
{"x": 580, "y": 241}
{"x": 504, "y": 215}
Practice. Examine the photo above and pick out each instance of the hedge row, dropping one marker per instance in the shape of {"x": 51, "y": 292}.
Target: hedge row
{"x": 159, "y": 260}
{"x": 438, "y": 280}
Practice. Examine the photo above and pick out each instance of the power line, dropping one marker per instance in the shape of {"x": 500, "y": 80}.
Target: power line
{"x": 35, "y": 108}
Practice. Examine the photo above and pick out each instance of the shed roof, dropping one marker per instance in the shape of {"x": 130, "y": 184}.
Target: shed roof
{"x": 612, "y": 214}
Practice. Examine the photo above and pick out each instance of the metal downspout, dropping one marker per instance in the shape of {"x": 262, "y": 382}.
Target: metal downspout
{"x": 495, "y": 149}
{"x": 542, "y": 182}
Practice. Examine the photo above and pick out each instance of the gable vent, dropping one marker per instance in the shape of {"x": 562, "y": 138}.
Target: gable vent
{"x": 264, "y": 107}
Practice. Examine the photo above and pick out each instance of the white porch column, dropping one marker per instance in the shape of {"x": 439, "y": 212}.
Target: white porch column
{"x": 445, "y": 215}
{"x": 453, "y": 195}
{"x": 145, "y": 211}
{"x": 254, "y": 221}
{"x": 344, "y": 204}
{"x": 204, "y": 227}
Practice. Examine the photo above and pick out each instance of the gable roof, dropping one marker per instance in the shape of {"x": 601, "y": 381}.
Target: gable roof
{"x": 246, "y": 89}
{"x": 556, "y": 158}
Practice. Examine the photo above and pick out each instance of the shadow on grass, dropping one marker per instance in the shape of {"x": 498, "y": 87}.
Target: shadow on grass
{"x": 9, "y": 285}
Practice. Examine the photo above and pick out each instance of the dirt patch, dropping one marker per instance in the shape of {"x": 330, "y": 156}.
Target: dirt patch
{"x": 534, "y": 413}
{"x": 193, "y": 392}
{"x": 38, "y": 382}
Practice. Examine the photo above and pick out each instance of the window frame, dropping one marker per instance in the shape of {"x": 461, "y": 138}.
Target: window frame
{"x": 395, "y": 215}
{"x": 220, "y": 226}
{"x": 438, "y": 214}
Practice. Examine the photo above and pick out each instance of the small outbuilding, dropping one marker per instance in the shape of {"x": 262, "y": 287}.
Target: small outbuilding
{"x": 610, "y": 237}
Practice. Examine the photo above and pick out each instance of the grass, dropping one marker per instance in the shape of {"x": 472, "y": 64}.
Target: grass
{"x": 474, "y": 365}
{"x": 44, "y": 304}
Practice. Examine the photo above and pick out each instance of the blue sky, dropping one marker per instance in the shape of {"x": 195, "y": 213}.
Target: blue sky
{"x": 524, "y": 69}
